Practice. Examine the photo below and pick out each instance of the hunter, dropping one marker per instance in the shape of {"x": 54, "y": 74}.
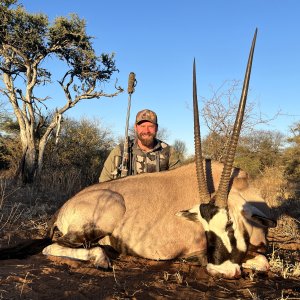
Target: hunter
{"x": 146, "y": 153}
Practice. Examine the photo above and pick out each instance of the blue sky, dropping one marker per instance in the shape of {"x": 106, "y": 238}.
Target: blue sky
{"x": 159, "y": 39}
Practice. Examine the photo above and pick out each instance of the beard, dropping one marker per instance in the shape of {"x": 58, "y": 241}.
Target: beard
{"x": 147, "y": 139}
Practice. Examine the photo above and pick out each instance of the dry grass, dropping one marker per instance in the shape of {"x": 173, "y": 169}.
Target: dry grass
{"x": 177, "y": 277}
{"x": 286, "y": 209}
{"x": 287, "y": 228}
{"x": 283, "y": 201}
{"x": 27, "y": 207}
{"x": 9, "y": 214}
{"x": 273, "y": 186}
{"x": 60, "y": 184}
{"x": 22, "y": 204}
{"x": 283, "y": 267}
{"x": 4, "y": 193}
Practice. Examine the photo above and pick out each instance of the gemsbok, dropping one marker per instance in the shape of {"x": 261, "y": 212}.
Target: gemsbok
{"x": 204, "y": 210}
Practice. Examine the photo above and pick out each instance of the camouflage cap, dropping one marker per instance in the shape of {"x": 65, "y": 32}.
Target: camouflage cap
{"x": 146, "y": 115}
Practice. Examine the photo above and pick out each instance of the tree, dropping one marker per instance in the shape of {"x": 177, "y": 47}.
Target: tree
{"x": 213, "y": 145}
{"x": 255, "y": 151}
{"x": 82, "y": 149}
{"x": 259, "y": 150}
{"x": 10, "y": 154}
{"x": 291, "y": 155}
{"x": 10, "y": 148}
{"x": 180, "y": 149}
{"x": 219, "y": 113}
{"x": 26, "y": 42}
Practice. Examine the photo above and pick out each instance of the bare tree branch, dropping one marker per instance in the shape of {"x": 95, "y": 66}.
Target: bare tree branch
{"x": 25, "y": 41}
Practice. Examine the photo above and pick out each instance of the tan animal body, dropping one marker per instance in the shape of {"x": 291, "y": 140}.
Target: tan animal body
{"x": 140, "y": 216}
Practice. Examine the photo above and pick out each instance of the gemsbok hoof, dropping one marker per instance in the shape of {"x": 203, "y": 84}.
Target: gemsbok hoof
{"x": 99, "y": 258}
{"x": 258, "y": 263}
{"x": 227, "y": 270}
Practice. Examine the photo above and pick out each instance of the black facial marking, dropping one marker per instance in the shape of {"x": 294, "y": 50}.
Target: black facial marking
{"x": 216, "y": 251}
{"x": 237, "y": 256}
{"x": 208, "y": 211}
{"x": 190, "y": 216}
{"x": 253, "y": 250}
{"x": 230, "y": 233}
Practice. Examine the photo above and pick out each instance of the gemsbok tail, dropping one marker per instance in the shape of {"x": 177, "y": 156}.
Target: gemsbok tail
{"x": 25, "y": 249}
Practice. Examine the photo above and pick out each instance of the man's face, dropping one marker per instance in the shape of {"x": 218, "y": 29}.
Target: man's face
{"x": 146, "y": 132}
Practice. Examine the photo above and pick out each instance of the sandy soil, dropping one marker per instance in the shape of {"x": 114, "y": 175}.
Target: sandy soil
{"x": 39, "y": 277}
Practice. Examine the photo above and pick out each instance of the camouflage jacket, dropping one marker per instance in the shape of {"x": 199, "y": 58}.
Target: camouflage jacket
{"x": 160, "y": 158}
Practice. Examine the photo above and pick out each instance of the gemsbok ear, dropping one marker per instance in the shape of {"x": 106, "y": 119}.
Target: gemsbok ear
{"x": 256, "y": 216}
{"x": 191, "y": 214}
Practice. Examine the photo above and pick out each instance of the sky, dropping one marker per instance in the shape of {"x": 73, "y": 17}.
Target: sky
{"x": 158, "y": 41}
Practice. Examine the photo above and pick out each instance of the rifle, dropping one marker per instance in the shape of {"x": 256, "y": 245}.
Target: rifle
{"x": 126, "y": 158}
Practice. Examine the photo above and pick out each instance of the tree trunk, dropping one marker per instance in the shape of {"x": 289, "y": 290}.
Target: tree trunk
{"x": 28, "y": 163}
{"x": 30, "y": 166}
{"x": 40, "y": 160}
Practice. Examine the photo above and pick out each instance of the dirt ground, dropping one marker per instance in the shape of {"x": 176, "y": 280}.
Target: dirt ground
{"x": 39, "y": 277}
